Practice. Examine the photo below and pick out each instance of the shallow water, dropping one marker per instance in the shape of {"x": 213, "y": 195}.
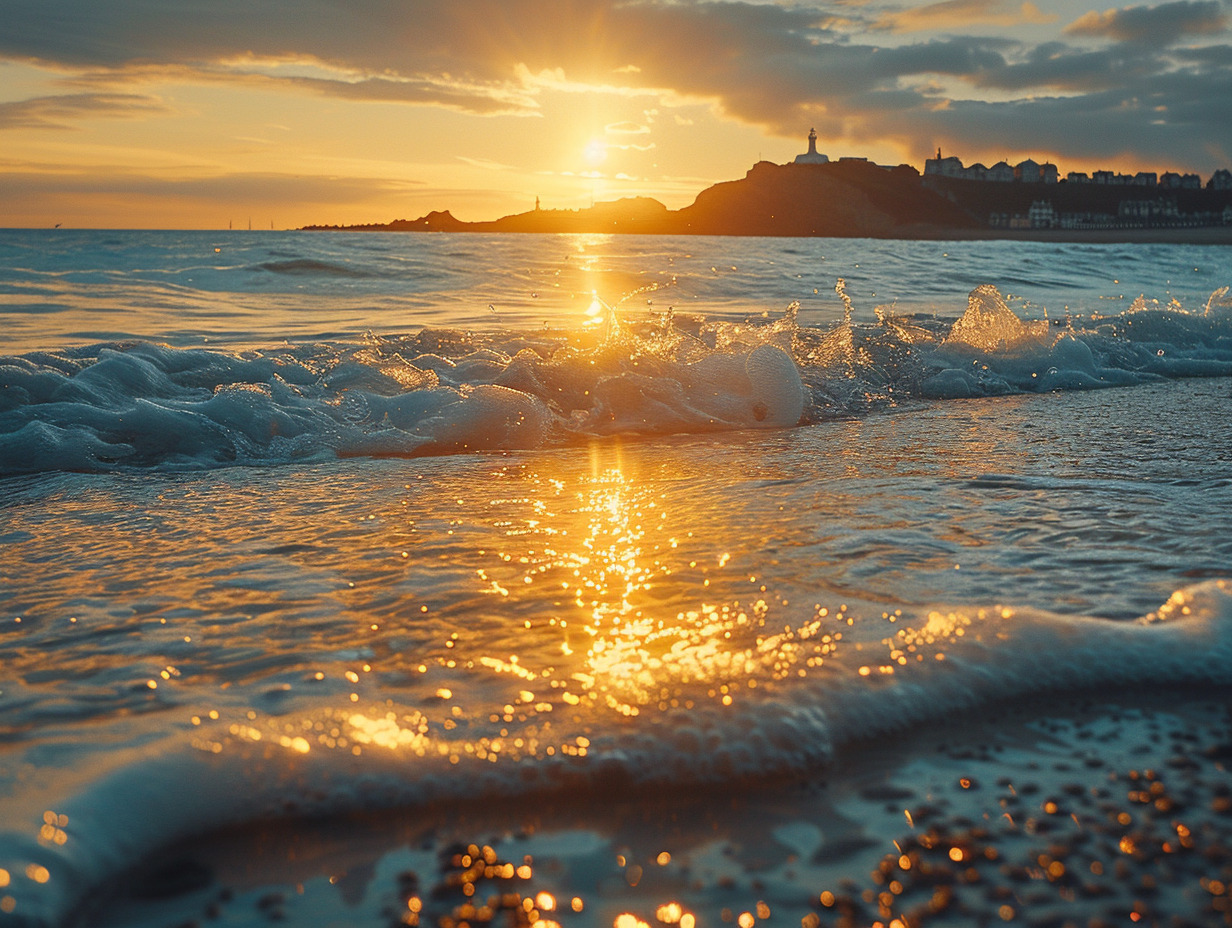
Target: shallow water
{"x": 344, "y": 573}
{"x": 250, "y": 289}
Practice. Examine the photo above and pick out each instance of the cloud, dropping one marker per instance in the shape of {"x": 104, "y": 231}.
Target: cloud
{"x": 486, "y": 163}
{"x": 470, "y": 98}
{"x": 61, "y": 111}
{"x": 962, "y": 14}
{"x": 1207, "y": 55}
{"x": 626, "y": 128}
{"x": 1114, "y": 85}
{"x": 1055, "y": 66}
{"x": 1154, "y": 25}
{"x": 260, "y": 187}
{"x": 1166, "y": 121}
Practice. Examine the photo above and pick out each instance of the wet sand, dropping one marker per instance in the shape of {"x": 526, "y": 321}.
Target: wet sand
{"x": 1086, "y": 812}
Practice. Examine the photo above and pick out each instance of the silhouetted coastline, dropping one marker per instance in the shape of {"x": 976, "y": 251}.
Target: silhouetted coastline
{"x": 852, "y": 199}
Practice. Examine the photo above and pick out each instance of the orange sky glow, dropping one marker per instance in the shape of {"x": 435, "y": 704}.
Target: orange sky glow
{"x": 294, "y": 112}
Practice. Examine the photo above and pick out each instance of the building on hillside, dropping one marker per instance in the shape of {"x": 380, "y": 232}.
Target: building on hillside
{"x": 1220, "y": 180}
{"x": 812, "y": 156}
{"x": 1029, "y": 171}
{"x": 1077, "y": 177}
{"x": 1175, "y": 181}
{"x": 1145, "y": 179}
{"x": 945, "y": 167}
{"x": 1001, "y": 173}
{"x": 1032, "y": 172}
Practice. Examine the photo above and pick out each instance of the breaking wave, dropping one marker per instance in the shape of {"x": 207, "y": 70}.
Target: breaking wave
{"x": 440, "y": 391}
{"x": 237, "y": 771}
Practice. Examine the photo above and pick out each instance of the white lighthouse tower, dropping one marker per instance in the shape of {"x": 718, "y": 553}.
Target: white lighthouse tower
{"x": 812, "y": 156}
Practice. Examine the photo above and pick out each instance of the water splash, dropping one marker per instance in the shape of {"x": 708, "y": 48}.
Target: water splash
{"x": 449, "y": 390}
{"x": 990, "y": 325}
{"x": 1220, "y": 299}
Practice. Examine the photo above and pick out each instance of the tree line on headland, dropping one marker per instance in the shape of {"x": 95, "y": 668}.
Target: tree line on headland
{"x": 854, "y": 198}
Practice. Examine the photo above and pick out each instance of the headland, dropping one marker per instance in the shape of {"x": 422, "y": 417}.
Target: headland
{"x": 855, "y": 198}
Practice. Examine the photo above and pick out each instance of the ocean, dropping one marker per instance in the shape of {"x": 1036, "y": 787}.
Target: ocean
{"x": 381, "y": 579}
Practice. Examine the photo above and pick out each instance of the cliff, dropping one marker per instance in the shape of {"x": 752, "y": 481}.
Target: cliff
{"x": 841, "y": 199}
{"x": 858, "y": 199}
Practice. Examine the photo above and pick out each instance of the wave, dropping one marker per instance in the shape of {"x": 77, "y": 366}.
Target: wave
{"x": 442, "y": 391}
{"x": 931, "y": 664}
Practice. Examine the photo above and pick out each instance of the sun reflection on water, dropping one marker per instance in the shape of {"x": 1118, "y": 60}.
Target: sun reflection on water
{"x": 603, "y": 591}
{"x": 647, "y": 630}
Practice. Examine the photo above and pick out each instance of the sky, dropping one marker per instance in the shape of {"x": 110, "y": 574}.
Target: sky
{"x": 283, "y": 113}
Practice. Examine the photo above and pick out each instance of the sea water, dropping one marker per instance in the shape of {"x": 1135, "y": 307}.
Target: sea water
{"x": 307, "y": 525}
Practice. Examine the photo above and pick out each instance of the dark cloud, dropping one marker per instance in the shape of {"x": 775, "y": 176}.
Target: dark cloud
{"x": 472, "y": 40}
{"x": 1217, "y": 56}
{"x": 1168, "y": 121}
{"x": 1154, "y": 25}
{"x": 1122, "y": 89}
{"x": 1055, "y": 66}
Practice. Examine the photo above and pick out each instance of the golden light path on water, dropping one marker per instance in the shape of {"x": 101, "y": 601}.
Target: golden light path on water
{"x": 637, "y": 601}
{"x": 497, "y": 613}
{"x": 613, "y": 595}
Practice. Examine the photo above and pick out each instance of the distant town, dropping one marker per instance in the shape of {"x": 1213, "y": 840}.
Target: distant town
{"x": 853, "y": 197}
{"x": 1143, "y": 200}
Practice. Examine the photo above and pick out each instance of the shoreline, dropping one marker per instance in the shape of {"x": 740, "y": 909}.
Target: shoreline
{"x": 1092, "y": 810}
{"x": 1201, "y": 235}
{"x": 860, "y": 200}
{"x": 1205, "y": 235}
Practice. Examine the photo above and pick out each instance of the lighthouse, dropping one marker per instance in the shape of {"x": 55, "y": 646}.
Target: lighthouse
{"x": 812, "y": 156}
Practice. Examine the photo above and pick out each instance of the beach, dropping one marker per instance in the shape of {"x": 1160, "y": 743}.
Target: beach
{"x": 386, "y": 579}
{"x": 1103, "y": 811}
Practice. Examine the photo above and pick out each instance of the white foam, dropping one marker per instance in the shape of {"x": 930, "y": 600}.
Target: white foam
{"x": 148, "y": 405}
{"x": 956, "y": 660}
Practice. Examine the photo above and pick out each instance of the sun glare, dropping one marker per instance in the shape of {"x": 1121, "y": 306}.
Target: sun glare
{"x": 595, "y": 152}
{"x": 594, "y": 312}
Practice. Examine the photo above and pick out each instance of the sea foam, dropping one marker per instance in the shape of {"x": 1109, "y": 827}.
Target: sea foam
{"x": 935, "y": 663}
{"x": 440, "y": 391}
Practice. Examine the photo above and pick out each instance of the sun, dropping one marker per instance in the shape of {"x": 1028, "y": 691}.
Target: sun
{"x": 595, "y": 152}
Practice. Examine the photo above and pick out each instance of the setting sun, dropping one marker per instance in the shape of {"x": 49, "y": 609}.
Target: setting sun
{"x": 374, "y": 112}
{"x": 595, "y": 152}
{"x": 615, "y": 463}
